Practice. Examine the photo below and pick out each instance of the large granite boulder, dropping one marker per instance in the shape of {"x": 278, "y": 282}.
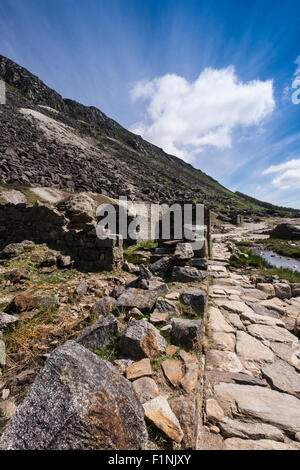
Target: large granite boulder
{"x": 77, "y": 401}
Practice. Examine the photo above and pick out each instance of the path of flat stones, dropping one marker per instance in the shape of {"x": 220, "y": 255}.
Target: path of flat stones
{"x": 252, "y": 365}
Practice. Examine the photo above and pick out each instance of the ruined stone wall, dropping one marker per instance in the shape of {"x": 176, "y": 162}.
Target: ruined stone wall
{"x": 72, "y": 233}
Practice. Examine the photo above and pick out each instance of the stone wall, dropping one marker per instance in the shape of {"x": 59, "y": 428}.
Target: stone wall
{"x": 69, "y": 227}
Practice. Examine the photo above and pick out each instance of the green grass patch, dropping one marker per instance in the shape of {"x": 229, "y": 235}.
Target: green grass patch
{"x": 109, "y": 352}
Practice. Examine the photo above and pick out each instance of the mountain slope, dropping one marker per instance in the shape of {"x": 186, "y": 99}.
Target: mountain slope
{"x": 50, "y": 141}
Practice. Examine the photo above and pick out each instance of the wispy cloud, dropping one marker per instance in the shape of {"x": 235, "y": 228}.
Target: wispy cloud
{"x": 186, "y": 117}
{"x": 288, "y": 174}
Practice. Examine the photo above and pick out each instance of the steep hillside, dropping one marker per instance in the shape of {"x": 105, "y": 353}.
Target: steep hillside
{"x": 54, "y": 142}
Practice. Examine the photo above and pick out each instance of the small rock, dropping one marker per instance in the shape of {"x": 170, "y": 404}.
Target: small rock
{"x": 283, "y": 291}
{"x": 236, "y": 443}
{"x": 81, "y": 288}
{"x": 172, "y": 369}
{"x": 5, "y": 393}
{"x": 226, "y": 361}
{"x": 186, "y": 333}
{"x": 184, "y": 251}
{"x": 297, "y": 327}
{"x": 185, "y": 409}
{"x": 139, "y": 298}
{"x": 235, "y": 428}
{"x": 100, "y": 333}
{"x": 141, "y": 339}
{"x": 267, "y": 288}
{"x": 199, "y": 263}
{"x": 159, "y": 412}
{"x": 2, "y": 354}
{"x": 164, "y": 305}
{"x": 22, "y": 303}
{"x": 187, "y": 274}
{"x": 139, "y": 369}
{"x": 157, "y": 317}
{"x": 195, "y": 298}
{"x": 145, "y": 388}
{"x": 171, "y": 350}
{"x": 214, "y": 412}
{"x": 283, "y": 377}
{"x": 6, "y": 319}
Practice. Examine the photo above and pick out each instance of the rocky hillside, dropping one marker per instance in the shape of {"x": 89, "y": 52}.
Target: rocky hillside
{"x": 54, "y": 142}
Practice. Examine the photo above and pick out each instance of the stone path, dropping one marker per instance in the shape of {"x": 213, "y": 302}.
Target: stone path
{"x": 252, "y": 383}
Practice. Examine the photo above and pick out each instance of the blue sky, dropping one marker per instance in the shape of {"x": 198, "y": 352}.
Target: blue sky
{"x": 210, "y": 80}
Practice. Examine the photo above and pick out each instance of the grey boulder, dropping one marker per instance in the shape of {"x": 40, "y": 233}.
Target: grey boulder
{"x": 78, "y": 402}
{"x": 186, "y": 333}
{"x": 141, "y": 339}
{"x": 187, "y": 274}
{"x": 100, "y": 333}
{"x": 195, "y": 298}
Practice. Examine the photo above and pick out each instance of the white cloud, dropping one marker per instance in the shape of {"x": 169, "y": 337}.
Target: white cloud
{"x": 185, "y": 117}
{"x": 288, "y": 174}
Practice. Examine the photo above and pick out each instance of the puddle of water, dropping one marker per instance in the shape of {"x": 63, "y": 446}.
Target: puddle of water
{"x": 279, "y": 261}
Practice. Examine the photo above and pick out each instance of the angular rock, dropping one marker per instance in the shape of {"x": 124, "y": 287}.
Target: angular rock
{"x": 159, "y": 412}
{"x": 235, "y": 443}
{"x": 172, "y": 369}
{"x": 164, "y": 305}
{"x": 271, "y": 333}
{"x": 81, "y": 288}
{"x": 139, "y": 298}
{"x": 217, "y": 322}
{"x": 22, "y": 303}
{"x": 100, "y": 333}
{"x": 283, "y": 291}
{"x": 186, "y": 333}
{"x": 104, "y": 306}
{"x": 214, "y": 412}
{"x": 139, "y": 369}
{"x": 234, "y": 428}
{"x": 261, "y": 403}
{"x": 187, "y": 274}
{"x": 261, "y": 319}
{"x": 77, "y": 401}
{"x": 195, "y": 298}
{"x": 157, "y": 317}
{"x": 235, "y": 320}
{"x": 6, "y": 319}
{"x": 145, "y": 388}
{"x": 226, "y": 361}
{"x": 282, "y": 377}
{"x": 288, "y": 352}
{"x": 190, "y": 379}
{"x": 223, "y": 341}
{"x": 199, "y": 263}
{"x": 140, "y": 340}
{"x": 261, "y": 310}
{"x": 295, "y": 289}
{"x": 250, "y": 349}
{"x": 267, "y": 288}
{"x": 185, "y": 409}
{"x": 184, "y": 251}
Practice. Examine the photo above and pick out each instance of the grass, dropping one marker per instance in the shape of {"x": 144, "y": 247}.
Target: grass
{"x": 155, "y": 434}
{"x": 109, "y": 352}
{"x": 131, "y": 255}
